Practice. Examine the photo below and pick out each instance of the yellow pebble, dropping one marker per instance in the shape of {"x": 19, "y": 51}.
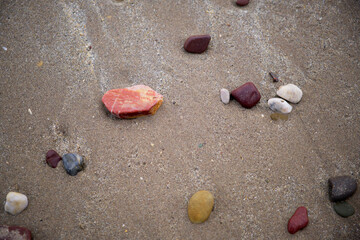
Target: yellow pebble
{"x": 200, "y": 206}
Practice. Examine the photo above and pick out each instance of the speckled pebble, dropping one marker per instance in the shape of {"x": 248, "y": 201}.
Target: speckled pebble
{"x": 299, "y": 220}
{"x": 225, "y": 96}
{"x": 200, "y": 206}
{"x": 14, "y": 233}
{"x": 15, "y": 203}
{"x": 341, "y": 188}
{"x": 73, "y": 163}
{"x": 344, "y": 209}
{"x": 279, "y": 105}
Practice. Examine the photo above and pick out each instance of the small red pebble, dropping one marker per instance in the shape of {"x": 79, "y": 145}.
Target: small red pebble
{"x": 247, "y": 95}
{"x": 298, "y": 221}
{"x": 14, "y": 233}
{"x": 242, "y": 2}
{"x": 52, "y": 158}
{"x": 197, "y": 44}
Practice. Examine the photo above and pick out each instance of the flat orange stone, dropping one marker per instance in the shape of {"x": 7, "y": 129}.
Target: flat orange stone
{"x": 132, "y": 102}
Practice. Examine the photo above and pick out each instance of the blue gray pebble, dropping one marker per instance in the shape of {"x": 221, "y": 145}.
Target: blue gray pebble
{"x": 73, "y": 163}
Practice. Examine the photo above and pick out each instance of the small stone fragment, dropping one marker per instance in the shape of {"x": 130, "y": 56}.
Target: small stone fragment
{"x": 132, "y": 102}
{"x": 73, "y": 163}
{"x": 277, "y": 116}
{"x": 247, "y": 95}
{"x": 341, "y": 188}
{"x": 274, "y": 77}
{"x": 242, "y": 2}
{"x": 279, "y": 105}
{"x": 200, "y": 206}
{"x": 197, "y": 43}
{"x": 14, "y": 233}
{"x": 290, "y": 92}
{"x": 298, "y": 221}
{"x": 344, "y": 209}
{"x": 225, "y": 96}
{"x": 15, "y": 203}
{"x": 52, "y": 158}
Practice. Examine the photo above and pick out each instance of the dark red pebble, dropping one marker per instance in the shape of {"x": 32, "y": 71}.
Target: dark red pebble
{"x": 247, "y": 95}
{"x": 52, "y": 158}
{"x": 242, "y": 2}
{"x": 14, "y": 233}
{"x": 197, "y": 44}
{"x": 298, "y": 221}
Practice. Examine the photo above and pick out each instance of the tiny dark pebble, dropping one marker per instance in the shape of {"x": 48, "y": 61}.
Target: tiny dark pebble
{"x": 52, "y": 158}
{"x": 242, "y": 2}
{"x": 73, "y": 163}
{"x": 274, "y": 77}
{"x": 341, "y": 188}
{"x": 197, "y": 43}
{"x": 344, "y": 209}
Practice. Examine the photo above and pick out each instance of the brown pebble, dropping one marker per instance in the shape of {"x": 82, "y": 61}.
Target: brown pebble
{"x": 277, "y": 116}
{"x": 197, "y": 43}
{"x": 242, "y": 2}
{"x": 247, "y": 95}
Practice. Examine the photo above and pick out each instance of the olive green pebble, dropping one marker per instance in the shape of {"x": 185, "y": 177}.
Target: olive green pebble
{"x": 200, "y": 206}
{"x": 344, "y": 209}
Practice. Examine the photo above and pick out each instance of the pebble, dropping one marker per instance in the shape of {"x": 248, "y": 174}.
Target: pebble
{"x": 277, "y": 116}
{"x": 197, "y": 43}
{"x": 200, "y": 206}
{"x": 279, "y": 105}
{"x": 242, "y": 2}
{"x": 341, "y": 188}
{"x": 14, "y": 233}
{"x": 132, "y": 102}
{"x": 247, "y": 95}
{"x": 52, "y": 158}
{"x": 299, "y": 220}
{"x": 225, "y": 96}
{"x": 73, "y": 163}
{"x": 15, "y": 203}
{"x": 290, "y": 92}
{"x": 344, "y": 209}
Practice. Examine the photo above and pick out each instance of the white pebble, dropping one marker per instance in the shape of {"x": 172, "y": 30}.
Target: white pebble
{"x": 290, "y": 92}
{"x": 15, "y": 203}
{"x": 5, "y": 48}
{"x": 225, "y": 96}
{"x": 279, "y": 105}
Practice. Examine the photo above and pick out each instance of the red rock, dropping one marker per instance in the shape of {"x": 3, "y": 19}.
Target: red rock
{"x": 132, "y": 102}
{"x": 197, "y": 43}
{"x": 14, "y": 233}
{"x": 242, "y": 2}
{"x": 299, "y": 220}
{"x": 52, "y": 158}
{"x": 247, "y": 95}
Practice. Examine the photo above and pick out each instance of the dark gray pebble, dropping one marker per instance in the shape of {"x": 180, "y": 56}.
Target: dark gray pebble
{"x": 341, "y": 188}
{"x": 73, "y": 163}
{"x": 344, "y": 209}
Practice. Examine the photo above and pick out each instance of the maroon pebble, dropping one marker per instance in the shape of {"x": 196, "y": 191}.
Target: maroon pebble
{"x": 14, "y": 233}
{"x": 52, "y": 158}
{"x": 247, "y": 95}
{"x": 298, "y": 221}
{"x": 242, "y": 2}
{"x": 197, "y": 44}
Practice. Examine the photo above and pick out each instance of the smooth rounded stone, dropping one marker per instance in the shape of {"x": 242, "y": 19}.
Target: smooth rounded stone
{"x": 242, "y": 3}
{"x": 344, "y": 209}
{"x": 279, "y": 105}
{"x": 225, "y": 96}
{"x": 15, "y": 203}
{"x": 247, "y": 95}
{"x": 200, "y": 206}
{"x": 14, "y": 233}
{"x": 73, "y": 163}
{"x": 277, "y": 116}
{"x": 132, "y": 102}
{"x": 290, "y": 92}
{"x": 341, "y": 188}
{"x": 299, "y": 220}
{"x": 197, "y": 43}
{"x": 52, "y": 158}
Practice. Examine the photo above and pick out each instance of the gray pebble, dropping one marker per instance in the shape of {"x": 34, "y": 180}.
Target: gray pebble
{"x": 225, "y": 96}
{"x": 73, "y": 163}
{"x": 341, "y": 188}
